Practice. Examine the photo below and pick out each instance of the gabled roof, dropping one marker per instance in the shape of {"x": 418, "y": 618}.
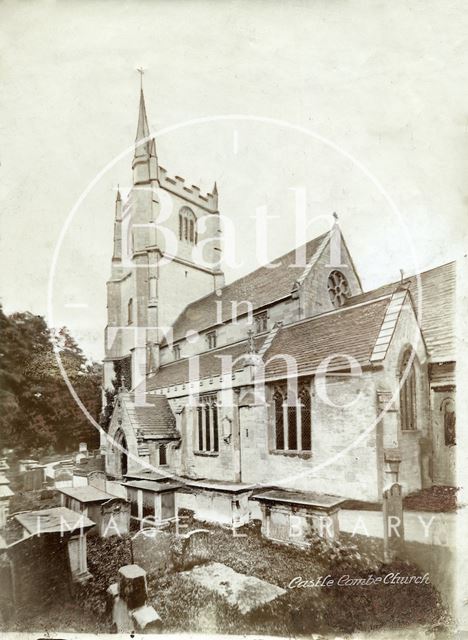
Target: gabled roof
{"x": 155, "y": 421}
{"x": 260, "y": 287}
{"x": 437, "y": 297}
{"x": 349, "y": 331}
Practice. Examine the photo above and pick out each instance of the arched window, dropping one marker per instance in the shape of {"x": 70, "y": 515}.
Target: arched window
{"x": 306, "y": 420}
{"x": 279, "y": 420}
{"x": 162, "y": 455}
{"x": 448, "y": 408}
{"x": 208, "y": 424}
{"x": 408, "y": 392}
{"x": 292, "y": 427}
{"x": 187, "y": 223}
{"x": 292, "y": 421}
{"x": 130, "y": 311}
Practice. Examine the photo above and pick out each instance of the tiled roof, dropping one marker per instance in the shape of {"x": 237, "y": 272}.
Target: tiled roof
{"x": 351, "y": 332}
{"x": 210, "y": 365}
{"x": 260, "y": 287}
{"x": 153, "y": 422}
{"x": 438, "y": 307}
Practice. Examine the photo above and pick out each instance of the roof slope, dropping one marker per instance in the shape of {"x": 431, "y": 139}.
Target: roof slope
{"x": 437, "y": 297}
{"x": 349, "y": 331}
{"x": 155, "y": 421}
{"x": 260, "y": 287}
{"x": 210, "y": 364}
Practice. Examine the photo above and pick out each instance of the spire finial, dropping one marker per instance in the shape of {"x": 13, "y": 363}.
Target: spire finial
{"x": 215, "y": 189}
{"x": 141, "y": 71}
{"x": 335, "y": 215}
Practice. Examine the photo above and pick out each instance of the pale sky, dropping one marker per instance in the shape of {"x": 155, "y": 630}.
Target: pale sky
{"x": 383, "y": 81}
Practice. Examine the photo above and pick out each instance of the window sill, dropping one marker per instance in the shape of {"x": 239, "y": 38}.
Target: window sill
{"x": 304, "y": 455}
{"x": 207, "y": 454}
{"x": 410, "y": 431}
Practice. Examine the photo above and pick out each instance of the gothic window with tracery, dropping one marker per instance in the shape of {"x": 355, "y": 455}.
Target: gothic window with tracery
{"x": 187, "y": 224}
{"x": 292, "y": 421}
{"x": 208, "y": 424}
{"x": 408, "y": 392}
{"x": 338, "y": 288}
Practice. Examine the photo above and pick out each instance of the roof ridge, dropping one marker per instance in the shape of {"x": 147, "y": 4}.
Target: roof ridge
{"x": 248, "y": 274}
{"x": 405, "y": 277}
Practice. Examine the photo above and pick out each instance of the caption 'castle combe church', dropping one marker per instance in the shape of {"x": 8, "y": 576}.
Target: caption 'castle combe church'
{"x": 198, "y": 431}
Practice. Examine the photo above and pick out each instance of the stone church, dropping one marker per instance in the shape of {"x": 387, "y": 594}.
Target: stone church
{"x": 291, "y": 382}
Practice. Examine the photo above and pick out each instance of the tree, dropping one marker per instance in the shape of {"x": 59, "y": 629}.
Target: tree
{"x": 39, "y": 411}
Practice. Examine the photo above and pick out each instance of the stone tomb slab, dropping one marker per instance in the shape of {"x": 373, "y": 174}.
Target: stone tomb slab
{"x": 245, "y": 592}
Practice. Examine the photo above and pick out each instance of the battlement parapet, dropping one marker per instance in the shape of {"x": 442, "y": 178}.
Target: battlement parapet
{"x": 191, "y": 193}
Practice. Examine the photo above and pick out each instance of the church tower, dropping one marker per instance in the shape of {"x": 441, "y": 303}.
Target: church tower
{"x": 166, "y": 254}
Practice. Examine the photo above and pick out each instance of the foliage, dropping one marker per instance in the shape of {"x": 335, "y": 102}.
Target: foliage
{"x": 105, "y": 557}
{"x": 39, "y": 413}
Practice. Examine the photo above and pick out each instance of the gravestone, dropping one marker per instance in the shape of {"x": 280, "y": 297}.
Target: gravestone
{"x": 97, "y": 479}
{"x": 115, "y": 517}
{"x": 394, "y": 535}
{"x": 128, "y": 602}
{"x": 152, "y": 550}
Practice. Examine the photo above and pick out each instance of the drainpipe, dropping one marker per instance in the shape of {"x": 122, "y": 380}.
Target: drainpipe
{"x": 238, "y": 432}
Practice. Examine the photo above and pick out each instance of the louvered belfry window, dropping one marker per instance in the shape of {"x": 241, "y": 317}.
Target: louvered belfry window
{"x": 292, "y": 421}
{"x": 187, "y": 221}
{"x": 208, "y": 424}
{"x": 408, "y": 392}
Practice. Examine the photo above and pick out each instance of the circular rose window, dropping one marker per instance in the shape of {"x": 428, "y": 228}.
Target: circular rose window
{"x": 338, "y": 288}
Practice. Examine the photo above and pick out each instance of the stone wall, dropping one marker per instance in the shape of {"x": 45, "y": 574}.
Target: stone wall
{"x": 314, "y": 295}
{"x": 329, "y": 468}
{"x": 413, "y": 472}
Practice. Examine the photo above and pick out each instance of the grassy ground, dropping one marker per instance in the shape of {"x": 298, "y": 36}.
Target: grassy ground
{"x": 187, "y": 607}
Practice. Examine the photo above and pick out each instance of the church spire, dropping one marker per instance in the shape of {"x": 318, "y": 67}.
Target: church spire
{"x": 142, "y": 128}
{"x": 145, "y": 159}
